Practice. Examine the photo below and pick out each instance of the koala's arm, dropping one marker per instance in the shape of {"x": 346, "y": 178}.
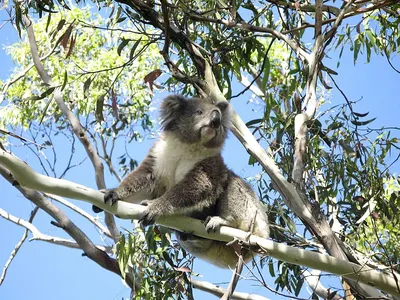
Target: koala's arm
{"x": 140, "y": 181}
{"x": 199, "y": 189}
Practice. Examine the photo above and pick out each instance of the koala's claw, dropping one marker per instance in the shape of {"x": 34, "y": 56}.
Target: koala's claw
{"x": 147, "y": 218}
{"x": 111, "y": 196}
{"x": 145, "y": 203}
{"x": 212, "y": 224}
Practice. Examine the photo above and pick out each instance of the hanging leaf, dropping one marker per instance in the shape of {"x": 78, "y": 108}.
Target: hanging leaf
{"x": 357, "y": 45}
{"x": 114, "y": 104}
{"x": 99, "y": 108}
{"x": 86, "y": 86}
{"x": 133, "y": 49}
{"x": 266, "y": 70}
{"x": 359, "y": 123}
{"x": 45, "y": 109}
{"x": 65, "y": 37}
{"x": 18, "y": 19}
{"x": 61, "y": 24}
{"x": 121, "y": 19}
{"x": 65, "y": 80}
{"x": 360, "y": 114}
{"x": 122, "y": 45}
{"x": 41, "y": 96}
{"x": 48, "y": 22}
{"x": 71, "y": 46}
{"x": 253, "y": 122}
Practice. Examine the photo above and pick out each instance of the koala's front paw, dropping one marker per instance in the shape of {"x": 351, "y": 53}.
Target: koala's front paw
{"x": 95, "y": 208}
{"x": 213, "y": 223}
{"x": 148, "y": 217}
{"x": 111, "y": 196}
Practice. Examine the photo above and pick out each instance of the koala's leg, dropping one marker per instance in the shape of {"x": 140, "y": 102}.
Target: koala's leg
{"x": 138, "y": 185}
{"x": 198, "y": 190}
{"x": 214, "y": 252}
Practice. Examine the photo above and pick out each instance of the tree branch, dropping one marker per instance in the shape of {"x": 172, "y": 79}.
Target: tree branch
{"x": 26, "y": 177}
{"x": 74, "y": 121}
{"x": 37, "y": 235}
{"x": 80, "y": 211}
{"x": 313, "y": 279}
{"x": 17, "y": 247}
{"x": 218, "y": 291}
{"x": 98, "y": 256}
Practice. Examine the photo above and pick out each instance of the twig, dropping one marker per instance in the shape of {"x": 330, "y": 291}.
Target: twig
{"x": 18, "y": 246}
{"x": 248, "y": 27}
{"x": 107, "y": 157}
{"x": 329, "y": 35}
{"x": 23, "y": 73}
{"x": 235, "y": 276}
{"x": 390, "y": 63}
{"x": 37, "y": 235}
{"x": 21, "y": 138}
{"x": 164, "y": 9}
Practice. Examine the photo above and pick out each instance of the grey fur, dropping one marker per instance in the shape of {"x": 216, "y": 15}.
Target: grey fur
{"x": 184, "y": 174}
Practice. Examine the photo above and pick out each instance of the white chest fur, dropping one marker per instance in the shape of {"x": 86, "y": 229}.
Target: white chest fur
{"x": 174, "y": 159}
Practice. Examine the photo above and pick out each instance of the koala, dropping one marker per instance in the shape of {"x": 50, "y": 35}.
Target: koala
{"x": 184, "y": 174}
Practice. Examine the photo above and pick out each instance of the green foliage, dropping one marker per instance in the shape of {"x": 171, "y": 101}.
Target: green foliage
{"x": 155, "y": 264}
{"x": 351, "y": 168}
{"x": 378, "y": 32}
{"x": 101, "y": 72}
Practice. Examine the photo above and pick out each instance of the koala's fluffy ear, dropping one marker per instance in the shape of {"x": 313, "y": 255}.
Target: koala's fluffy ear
{"x": 171, "y": 108}
{"x": 223, "y": 105}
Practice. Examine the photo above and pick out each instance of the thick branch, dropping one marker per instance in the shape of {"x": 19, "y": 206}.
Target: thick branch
{"x": 83, "y": 213}
{"x": 30, "y": 179}
{"x": 218, "y": 291}
{"x": 313, "y": 279}
{"x": 100, "y": 257}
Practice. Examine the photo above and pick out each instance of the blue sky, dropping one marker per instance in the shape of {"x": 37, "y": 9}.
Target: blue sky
{"x": 44, "y": 271}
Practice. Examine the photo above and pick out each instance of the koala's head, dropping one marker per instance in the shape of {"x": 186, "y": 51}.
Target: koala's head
{"x": 196, "y": 121}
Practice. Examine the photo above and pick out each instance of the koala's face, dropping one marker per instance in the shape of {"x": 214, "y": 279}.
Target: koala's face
{"x": 195, "y": 121}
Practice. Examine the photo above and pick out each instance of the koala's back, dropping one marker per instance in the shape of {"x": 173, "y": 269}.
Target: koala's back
{"x": 236, "y": 206}
{"x": 242, "y": 208}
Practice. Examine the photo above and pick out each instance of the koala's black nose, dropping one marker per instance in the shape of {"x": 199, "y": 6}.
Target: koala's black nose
{"x": 215, "y": 119}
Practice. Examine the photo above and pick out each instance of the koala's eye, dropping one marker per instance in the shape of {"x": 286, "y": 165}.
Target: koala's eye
{"x": 198, "y": 112}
